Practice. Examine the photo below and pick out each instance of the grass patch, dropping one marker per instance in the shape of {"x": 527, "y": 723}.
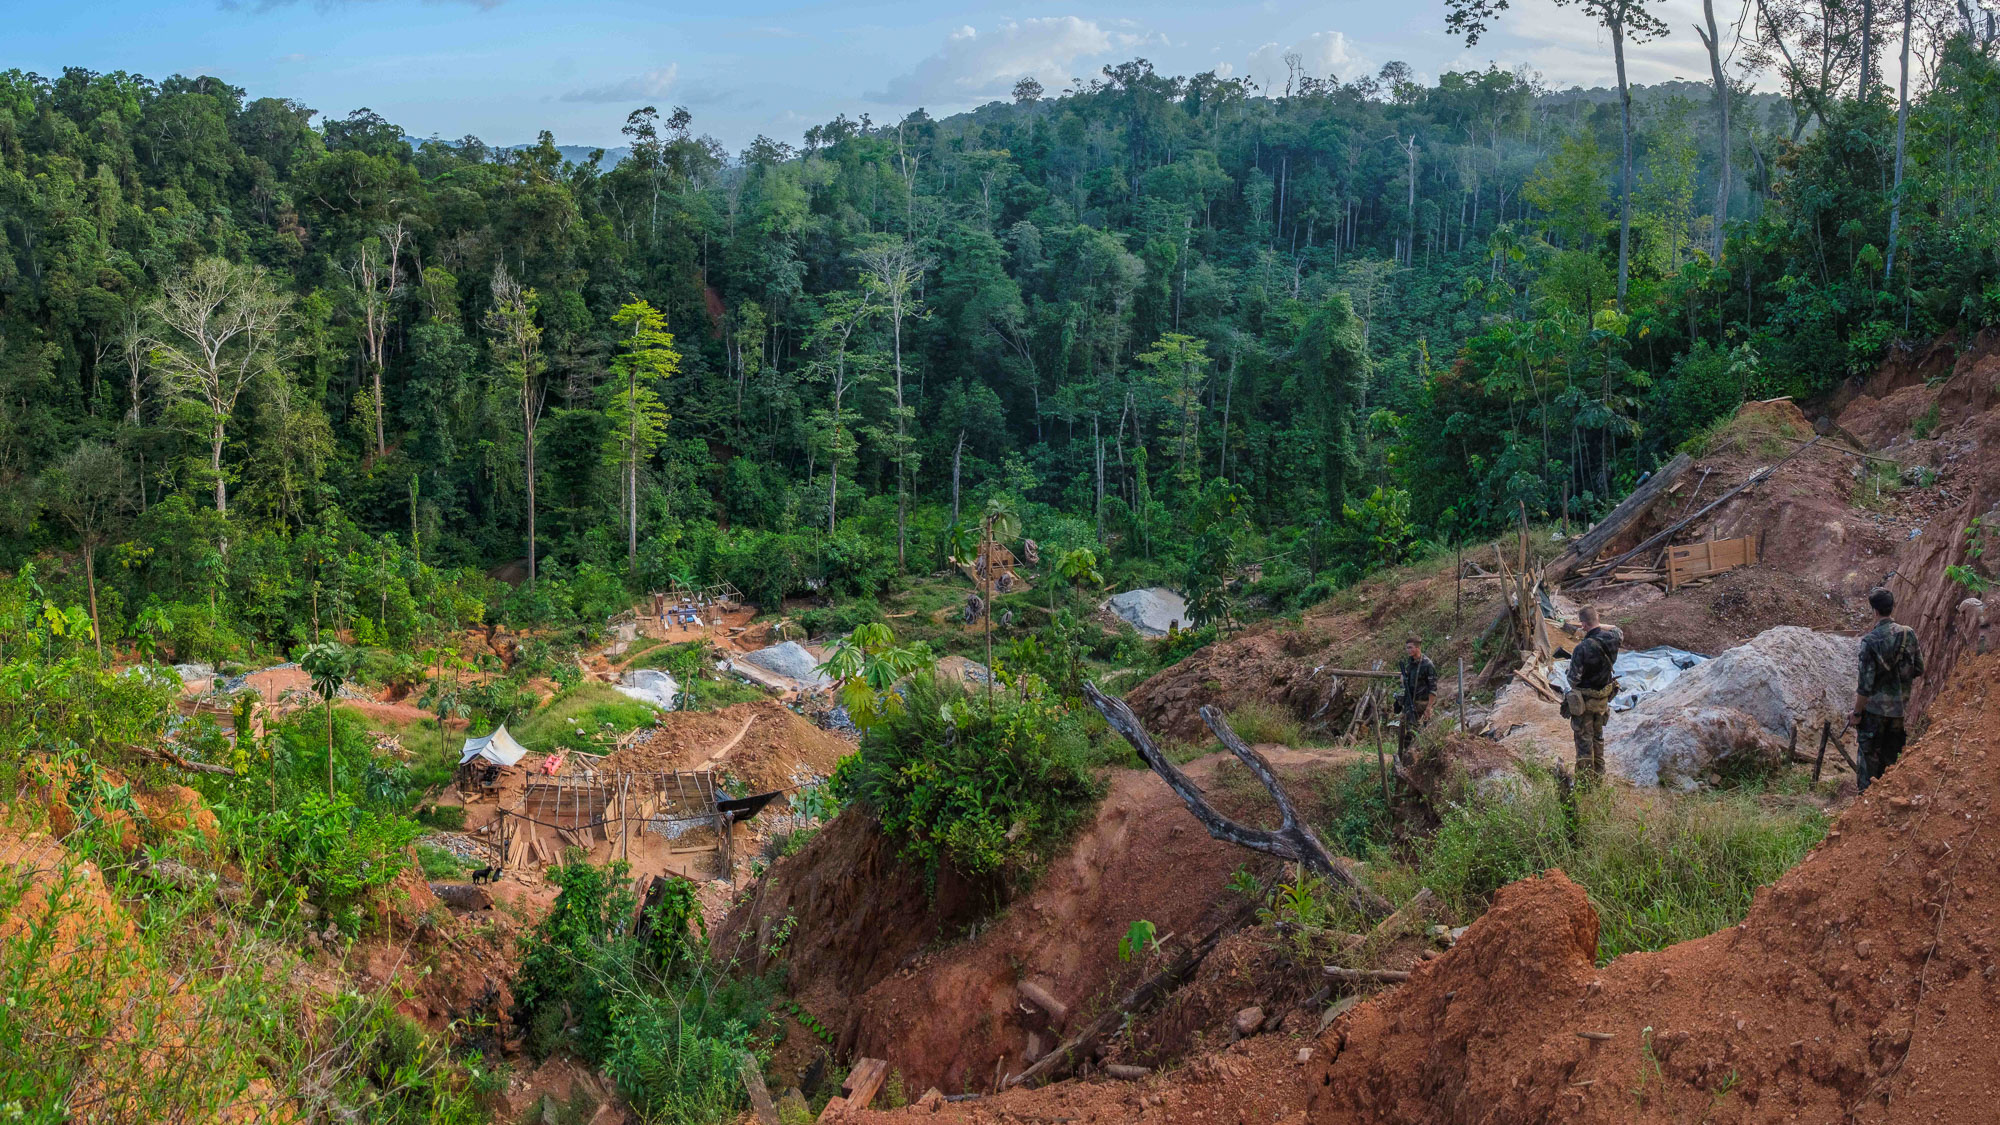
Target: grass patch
{"x": 586, "y": 717}
{"x": 1926, "y": 423}
{"x": 1659, "y": 868}
{"x": 439, "y": 864}
{"x": 1261, "y": 720}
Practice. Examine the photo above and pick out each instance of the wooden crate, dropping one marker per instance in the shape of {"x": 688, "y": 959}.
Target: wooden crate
{"x": 1698, "y": 560}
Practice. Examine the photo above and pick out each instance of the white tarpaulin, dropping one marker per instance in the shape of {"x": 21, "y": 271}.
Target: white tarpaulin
{"x": 497, "y": 747}
{"x": 650, "y": 685}
{"x": 1640, "y": 674}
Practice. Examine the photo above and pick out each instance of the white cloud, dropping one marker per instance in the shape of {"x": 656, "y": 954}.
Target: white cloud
{"x": 639, "y": 87}
{"x": 1323, "y": 54}
{"x": 973, "y": 66}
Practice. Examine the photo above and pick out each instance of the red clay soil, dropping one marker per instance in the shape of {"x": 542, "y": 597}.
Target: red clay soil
{"x": 895, "y": 975}
{"x": 1285, "y": 663}
{"x": 1736, "y": 606}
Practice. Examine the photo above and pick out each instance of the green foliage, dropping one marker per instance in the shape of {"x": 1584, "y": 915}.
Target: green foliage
{"x": 867, "y": 665}
{"x": 988, "y": 790}
{"x": 656, "y": 1018}
{"x": 591, "y": 714}
{"x": 1140, "y": 938}
{"x": 440, "y": 865}
{"x": 330, "y": 849}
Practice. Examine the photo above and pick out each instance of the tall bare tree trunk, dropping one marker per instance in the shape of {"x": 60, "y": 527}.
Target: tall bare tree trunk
{"x": 902, "y": 448}
{"x": 1902, "y": 129}
{"x": 1712, "y": 39}
{"x": 957, "y": 456}
{"x": 1625, "y": 163}
{"x": 632, "y": 476}
{"x": 90, "y": 583}
{"x": 528, "y": 429}
{"x": 215, "y": 465}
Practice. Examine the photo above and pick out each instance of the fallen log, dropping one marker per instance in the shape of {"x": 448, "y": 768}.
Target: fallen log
{"x": 1071, "y": 1051}
{"x": 1666, "y": 535}
{"x": 1125, "y": 1073}
{"x": 170, "y": 758}
{"x": 1292, "y": 840}
{"x": 1636, "y": 504}
{"x": 1366, "y": 976}
{"x": 1420, "y": 906}
{"x": 859, "y": 1090}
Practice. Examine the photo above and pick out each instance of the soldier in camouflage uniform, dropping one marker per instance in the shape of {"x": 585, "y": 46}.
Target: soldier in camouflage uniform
{"x": 1890, "y": 659}
{"x": 1592, "y": 685}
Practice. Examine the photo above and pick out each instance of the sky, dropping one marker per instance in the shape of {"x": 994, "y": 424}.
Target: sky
{"x": 503, "y": 70}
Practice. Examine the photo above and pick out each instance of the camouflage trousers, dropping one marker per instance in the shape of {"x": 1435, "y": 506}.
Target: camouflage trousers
{"x": 1878, "y": 743}
{"x": 1588, "y": 727}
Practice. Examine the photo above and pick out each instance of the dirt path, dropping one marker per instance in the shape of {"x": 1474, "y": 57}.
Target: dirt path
{"x": 722, "y": 751}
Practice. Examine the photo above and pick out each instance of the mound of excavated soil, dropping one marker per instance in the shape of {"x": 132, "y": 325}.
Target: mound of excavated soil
{"x": 760, "y": 745}
{"x": 1736, "y": 606}
{"x": 791, "y": 660}
{"x": 1153, "y": 611}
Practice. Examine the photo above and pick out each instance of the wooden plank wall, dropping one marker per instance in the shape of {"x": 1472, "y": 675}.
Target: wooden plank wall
{"x": 1696, "y": 560}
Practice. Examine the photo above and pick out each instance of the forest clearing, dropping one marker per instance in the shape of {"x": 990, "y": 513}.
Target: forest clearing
{"x": 1320, "y": 600}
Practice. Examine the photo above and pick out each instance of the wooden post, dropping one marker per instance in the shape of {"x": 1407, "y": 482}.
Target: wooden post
{"x": 1825, "y": 734}
{"x": 1461, "y": 693}
{"x": 1458, "y": 602}
{"x": 1381, "y": 763}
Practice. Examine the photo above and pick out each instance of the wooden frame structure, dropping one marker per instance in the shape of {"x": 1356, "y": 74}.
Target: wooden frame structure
{"x": 581, "y": 809}
{"x": 1699, "y": 560}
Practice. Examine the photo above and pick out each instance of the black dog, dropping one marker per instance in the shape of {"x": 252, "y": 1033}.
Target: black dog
{"x": 486, "y": 875}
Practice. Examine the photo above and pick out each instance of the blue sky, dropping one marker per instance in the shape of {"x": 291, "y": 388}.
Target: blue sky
{"x": 503, "y": 69}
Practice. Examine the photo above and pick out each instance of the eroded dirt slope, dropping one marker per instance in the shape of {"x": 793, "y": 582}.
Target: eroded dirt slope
{"x": 907, "y": 978}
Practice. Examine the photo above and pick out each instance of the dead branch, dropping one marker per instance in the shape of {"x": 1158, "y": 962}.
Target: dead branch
{"x": 1292, "y": 841}
{"x": 1367, "y": 976}
{"x": 1058, "y": 1062}
{"x": 1586, "y": 546}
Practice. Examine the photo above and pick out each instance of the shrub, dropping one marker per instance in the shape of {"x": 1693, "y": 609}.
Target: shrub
{"x": 986, "y": 787}
{"x": 332, "y": 849}
{"x": 450, "y": 818}
{"x": 657, "y": 1018}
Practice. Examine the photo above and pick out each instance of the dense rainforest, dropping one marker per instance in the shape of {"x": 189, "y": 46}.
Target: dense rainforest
{"x": 281, "y": 383}
{"x": 268, "y": 374}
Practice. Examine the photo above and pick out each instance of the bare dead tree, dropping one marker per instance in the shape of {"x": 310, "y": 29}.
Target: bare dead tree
{"x": 1292, "y": 840}
{"x": 224, "y": 329}
{"x": 375, "y": 281}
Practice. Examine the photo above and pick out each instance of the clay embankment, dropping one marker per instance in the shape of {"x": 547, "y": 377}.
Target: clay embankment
{"x": 931, "y": 983}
